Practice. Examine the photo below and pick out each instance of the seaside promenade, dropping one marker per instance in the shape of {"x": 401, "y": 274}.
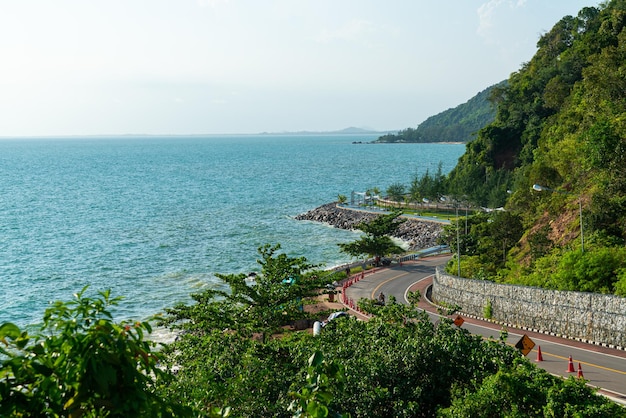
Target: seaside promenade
{"x": 385, "y": 211}
{"x": 602, "y": 367}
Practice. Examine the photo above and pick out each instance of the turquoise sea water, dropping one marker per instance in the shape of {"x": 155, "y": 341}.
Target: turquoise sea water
{"x": 153, "y": 218}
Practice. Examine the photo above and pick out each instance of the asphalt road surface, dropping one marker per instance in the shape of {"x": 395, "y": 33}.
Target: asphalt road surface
{"x": 602, "y": 367}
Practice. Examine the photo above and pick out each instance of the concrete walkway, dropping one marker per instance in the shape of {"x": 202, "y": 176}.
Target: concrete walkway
{"x": 382, "y": 211}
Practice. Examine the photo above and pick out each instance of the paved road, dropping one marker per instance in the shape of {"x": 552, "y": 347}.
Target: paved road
{"x": 603, "y": 367}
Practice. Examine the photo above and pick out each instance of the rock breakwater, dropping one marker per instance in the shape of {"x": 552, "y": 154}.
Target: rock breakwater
{"x": 418, "y": 234}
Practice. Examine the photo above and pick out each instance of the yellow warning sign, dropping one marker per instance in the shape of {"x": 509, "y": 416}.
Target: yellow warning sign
{"x": 525, "y": 344}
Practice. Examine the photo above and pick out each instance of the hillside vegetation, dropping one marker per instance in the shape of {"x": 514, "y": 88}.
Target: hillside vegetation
{"x": 561, "y": 124}
{"x": 458, "y": 124}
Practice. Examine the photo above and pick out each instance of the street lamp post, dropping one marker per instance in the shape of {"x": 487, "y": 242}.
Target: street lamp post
{"x": 466, "y": 221}
{"x": 539, "y": 188}
{"x": 458, "y": 243}
{"x": 458, "y": 239}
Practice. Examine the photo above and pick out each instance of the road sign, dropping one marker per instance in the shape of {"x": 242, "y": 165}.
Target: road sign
{"x": 525, "y": 344}
{"x": 458, "y": 321}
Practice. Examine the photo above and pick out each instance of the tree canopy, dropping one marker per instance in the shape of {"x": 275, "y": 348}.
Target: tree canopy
{"x": 377, "y": 241}
{"x": 558, "y": 124}
{"x": 252, "y": 303}
{"x": 83, "y": 364}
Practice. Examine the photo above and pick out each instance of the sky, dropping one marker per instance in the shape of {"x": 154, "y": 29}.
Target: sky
{"x": 176, "y": 67}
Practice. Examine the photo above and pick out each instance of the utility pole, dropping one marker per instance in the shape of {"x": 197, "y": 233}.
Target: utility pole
{"x": 458, "y": 246}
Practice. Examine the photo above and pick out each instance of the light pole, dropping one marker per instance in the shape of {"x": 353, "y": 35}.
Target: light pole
{"x": 458, "y": 244}
{"x": 539, "y": 188}
{"x": 466, "y": 202}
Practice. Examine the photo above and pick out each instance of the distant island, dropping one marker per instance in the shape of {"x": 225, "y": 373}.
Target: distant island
{"x": 346, "y": 131}
{"x": 458, "y": 124}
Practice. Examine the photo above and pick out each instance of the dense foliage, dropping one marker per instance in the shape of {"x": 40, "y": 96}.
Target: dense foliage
{"x": 427, "y": 186}
{"x": 82, "y": 364}
{"x": 377, "y": 241}
{"x": 258, "y": 303}
{"x": 458, "y": 124}
{"x": 559, "y": 124}
{"x": 489, "y": 248}
{"x": 485, "y": 240}
{"x": 423, "y": 188}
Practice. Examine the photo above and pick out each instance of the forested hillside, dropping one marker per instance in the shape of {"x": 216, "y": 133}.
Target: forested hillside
{"x": 560, "y": 124}
{"x": 458, "y": 124}
{"x": 559, "y": 120}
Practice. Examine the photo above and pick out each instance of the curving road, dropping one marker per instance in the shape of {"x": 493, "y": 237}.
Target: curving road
{"x": 602, "y": 367}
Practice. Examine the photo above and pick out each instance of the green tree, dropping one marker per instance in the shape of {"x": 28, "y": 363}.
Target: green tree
{"x": 490, "y": 237}
{"x": 415, "y": 192}
{"x": 376, "y": 242}
{"x": 401, "y": 364}
{"x": 506, "y": 229}
{"x": 523, "y": 390}
{"x": 539, "y": 242}
{"x": 314, "y": 398}
{"x": 221, "y": 370}
{"x": 593, "y": 271}
{"x": 81, "y": 363}
{"x": 396, "y": 192}
{"x": 427, "y": 186}
{"x": 252, "y": 304}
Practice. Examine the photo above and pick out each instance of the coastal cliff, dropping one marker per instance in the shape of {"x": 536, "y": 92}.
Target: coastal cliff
{"x": 417, "y": 233}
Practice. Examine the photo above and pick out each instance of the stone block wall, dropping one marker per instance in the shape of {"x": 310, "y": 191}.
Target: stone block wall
{"x": 589, "y": 317}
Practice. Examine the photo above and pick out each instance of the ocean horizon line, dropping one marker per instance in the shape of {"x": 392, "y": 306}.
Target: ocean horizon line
{"x": 174, "y": 135}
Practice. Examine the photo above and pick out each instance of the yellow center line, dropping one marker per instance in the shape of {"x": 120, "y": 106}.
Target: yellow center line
{"x": 597, "y": 366}
{"x": 608, "y": 369}
{"x": 386, "y": 281}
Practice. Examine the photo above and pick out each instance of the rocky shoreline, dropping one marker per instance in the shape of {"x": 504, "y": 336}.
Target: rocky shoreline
{"x": 417, "y": 234}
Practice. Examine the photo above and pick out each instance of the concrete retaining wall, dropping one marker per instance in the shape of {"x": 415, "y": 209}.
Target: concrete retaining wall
{"x": 591, "y": 317}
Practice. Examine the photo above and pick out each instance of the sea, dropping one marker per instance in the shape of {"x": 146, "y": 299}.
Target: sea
{"x": 153, "y": 218}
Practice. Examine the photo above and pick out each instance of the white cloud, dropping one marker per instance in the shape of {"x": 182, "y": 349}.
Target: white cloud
{"x": 351, "y": 31}
{"x": 487, "y": 18}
